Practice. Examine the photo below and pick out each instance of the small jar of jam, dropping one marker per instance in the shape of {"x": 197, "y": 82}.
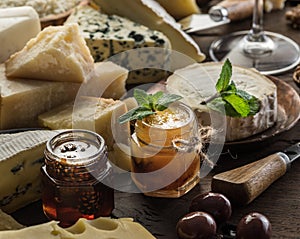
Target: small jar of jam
{"x": 75, "y": 177}
{"x": 165, "y": 162}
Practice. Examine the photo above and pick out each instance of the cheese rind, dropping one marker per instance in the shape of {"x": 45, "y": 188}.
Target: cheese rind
{"x": 58, "y": 53}
{"x": 154, "y": 16}
{"x": 21, "y": 157}
{"x": 17, "y": 26}
{"x": 196, "y": 83}
{"x": 99, "y": 115}
{"x": 22, "y": 100}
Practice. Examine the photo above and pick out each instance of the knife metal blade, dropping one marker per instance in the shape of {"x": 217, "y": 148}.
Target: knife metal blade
{"x": 242, "y": 185}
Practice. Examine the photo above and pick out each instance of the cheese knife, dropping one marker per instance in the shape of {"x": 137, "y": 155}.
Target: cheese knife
{"x": 220, "y": 14}
{"x": 242, "y": 185}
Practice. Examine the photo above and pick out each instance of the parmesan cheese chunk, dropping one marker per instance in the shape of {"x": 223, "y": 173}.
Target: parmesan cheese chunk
{"x": 99, "y": 115}
{"x": 100, "y": 228}
{"x": 58, "y": 53}
{"x": 196, "y": 83}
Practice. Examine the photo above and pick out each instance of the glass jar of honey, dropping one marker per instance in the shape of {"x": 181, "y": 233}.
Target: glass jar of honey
{"x": 75, "y": 177}
{"x": 164, "y": 160}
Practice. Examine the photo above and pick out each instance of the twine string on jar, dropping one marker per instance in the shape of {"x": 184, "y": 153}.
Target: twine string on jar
{"x": 196, "y": 144}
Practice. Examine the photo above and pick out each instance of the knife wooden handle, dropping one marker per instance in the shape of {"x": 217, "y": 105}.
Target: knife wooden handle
{"x": 237, "y": 9}
{"x": 242, "y": 185}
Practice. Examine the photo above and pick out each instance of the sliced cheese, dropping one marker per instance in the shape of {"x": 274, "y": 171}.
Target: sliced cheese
{"x": 17, "y": 26}
{"x": 154, "y": 16}
{"x": 180, "y": 8}
{"x": 21, "y": 157}
{"x": 58, "y": 53}
{"x": 7, "y": 222}
{"x": 107, "y": 36}
{"x": 100, "y": 228}
{"x": 23, "y": 100}
{"x": 99, "y": 115}
{"x": 196, "y": 83}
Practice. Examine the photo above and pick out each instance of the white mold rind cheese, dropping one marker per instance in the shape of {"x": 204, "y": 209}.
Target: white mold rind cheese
{"x": 21, "y": 157}
{"x": 196, "y": 83}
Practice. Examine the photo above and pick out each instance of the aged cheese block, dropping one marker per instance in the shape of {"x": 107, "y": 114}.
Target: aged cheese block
{"x": 23, "y": 100}
{"x": 58, "y": 53}
{"x": 99, "y": 115}
{"x": 154, "y": 16}
{"x": 21, "y": 157}
{"x": 180, "y": 8}
{"x": 100, "y": 228}
{"x": 196, "y": 83}
{"x": 17, "y": 26}
{"x": 107, "y": 36}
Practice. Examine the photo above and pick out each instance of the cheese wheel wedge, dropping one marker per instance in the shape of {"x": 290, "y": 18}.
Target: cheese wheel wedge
{"x": 58, "y": 53}
{"x": 196, "y": 83}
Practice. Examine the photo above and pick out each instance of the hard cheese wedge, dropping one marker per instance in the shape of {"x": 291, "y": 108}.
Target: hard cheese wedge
{"x": 106, "y": 36}
{"x": 17, "y": 26}
{"x": 100, "y": 228}
{"x": 21, "y": 157}
{"x": 154, "y": 16}
{"x": 99, "y": 115}
{"x": 58, "y": 53}
{"x": 196, "y": 83}
{"x": 22, "y": 100}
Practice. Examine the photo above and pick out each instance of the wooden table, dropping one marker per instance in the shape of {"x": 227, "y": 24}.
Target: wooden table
{"x": 280, "y": 202}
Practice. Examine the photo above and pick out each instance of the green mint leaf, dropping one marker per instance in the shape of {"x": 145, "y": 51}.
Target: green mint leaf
{"x": 225, "y": 76}
{"x": 254, "y": 105}
{"x": 164, "y": 102}
{"x": 141, "y": 97}
{"x": 134, "y": 114}
{"x": 238, "y": 103}
{"x": 220, "y": 105}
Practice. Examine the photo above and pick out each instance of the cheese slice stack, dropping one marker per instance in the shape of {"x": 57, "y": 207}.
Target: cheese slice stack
{"x": 107, "y": 36}
{"x": 21, "y": 157}
{"x": 196, "y": 83}
{"x": 17, "y": 26}
{"x": 99, "y": 115}
{"x": 100, "y": 228}
{"x": 58, "y": 53}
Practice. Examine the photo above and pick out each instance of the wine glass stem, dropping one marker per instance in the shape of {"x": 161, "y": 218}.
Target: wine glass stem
{"x": 256, "y": 43}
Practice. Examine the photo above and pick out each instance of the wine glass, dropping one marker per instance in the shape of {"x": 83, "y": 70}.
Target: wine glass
{"x": 268, "y": 52}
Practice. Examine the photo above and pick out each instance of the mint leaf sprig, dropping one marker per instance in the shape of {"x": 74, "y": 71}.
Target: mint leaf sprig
{"x": 235, "y": 102}
{"x": 148, "y": 104}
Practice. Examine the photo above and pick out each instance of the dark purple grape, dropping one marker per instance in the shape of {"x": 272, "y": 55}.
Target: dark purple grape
{"x": 215, "y": 204}
{"x": 254, "y": 226}
{"x": 196, "y": 225}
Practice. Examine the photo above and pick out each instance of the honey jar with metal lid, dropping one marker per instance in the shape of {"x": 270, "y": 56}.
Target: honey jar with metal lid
{"x": 75, "y": 177}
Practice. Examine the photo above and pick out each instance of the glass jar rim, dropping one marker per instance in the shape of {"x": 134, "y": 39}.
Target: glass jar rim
{"x": 75, "y": 134}
{"x": 186, "y": 108}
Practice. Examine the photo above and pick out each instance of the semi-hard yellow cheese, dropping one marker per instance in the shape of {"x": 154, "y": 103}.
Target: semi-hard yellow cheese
{"x": 100, "y": 228}
{"x": 21, "y": 157}
{"x": 22, "y": 100}
{"x": 180, "y": 8}
{"x": 99, "y": 115}
{"x": 58, "y": 53}
{"x": 17, "y": 26}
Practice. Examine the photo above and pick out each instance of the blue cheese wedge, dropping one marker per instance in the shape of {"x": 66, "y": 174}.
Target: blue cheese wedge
{"x": 21, "y": 157}
{"x": 196, "y": 83}
{"x": 154, "y": 16}
{"x": 108, "y": 35}
{"x": 100, "y": 228}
